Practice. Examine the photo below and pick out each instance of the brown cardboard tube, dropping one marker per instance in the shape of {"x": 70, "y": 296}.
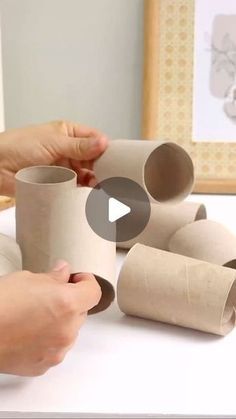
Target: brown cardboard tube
{"x": 206, "y": 240}
{"x": 164, "y": 221}
{"x": 44, "y": 199}
{"x": 171, "y": 288}
{"x": 94, "y": 254}
{"x": 10, "y": 255}
{"x": 51, "y": 224}
{"x": 163, "y": 169}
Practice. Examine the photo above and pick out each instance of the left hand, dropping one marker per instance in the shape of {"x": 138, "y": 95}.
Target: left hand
{"x": 56, "y": 143}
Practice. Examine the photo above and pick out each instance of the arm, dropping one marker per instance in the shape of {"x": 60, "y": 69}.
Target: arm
{"x": 41, "y": 314}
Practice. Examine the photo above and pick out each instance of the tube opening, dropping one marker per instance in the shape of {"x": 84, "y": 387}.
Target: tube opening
{"x": 228, "y": 315}
{"x": 201, "y": 213}
{"x": 231, "y": 264}
{"x": 108, "y": 296}
{"x": 168, "y": 173}
{"x": 45, "y": 175}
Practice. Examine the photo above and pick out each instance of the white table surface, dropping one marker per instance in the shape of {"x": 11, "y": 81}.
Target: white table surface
{"x": 128, "y": 367}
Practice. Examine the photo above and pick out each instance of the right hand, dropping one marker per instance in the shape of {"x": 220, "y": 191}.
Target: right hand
{"x": 40, "y": 316}
{"x": 58, "y": 143}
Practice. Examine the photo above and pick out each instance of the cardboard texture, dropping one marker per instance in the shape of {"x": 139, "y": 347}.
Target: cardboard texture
{"x": 164, "y": 221}
{"x": 163, "y": 169}
{"x": 206, "y": 240}
{"x": 10, "y": 255}
{"x": 51, "y": 224}
{"x": 94, "y": 254}
{"x": 171, "y": 288}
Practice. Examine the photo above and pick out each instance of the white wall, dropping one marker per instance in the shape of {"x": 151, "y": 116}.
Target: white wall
{"x": 74, "y": 59}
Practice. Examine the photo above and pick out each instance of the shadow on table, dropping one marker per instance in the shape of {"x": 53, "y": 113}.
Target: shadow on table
{"x": 118, "y": 318}
{"x": 11, "y": 382}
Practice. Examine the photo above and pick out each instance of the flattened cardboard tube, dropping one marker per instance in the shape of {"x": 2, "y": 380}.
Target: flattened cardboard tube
{"x": 93, "y": 253}
{"x": 10, "y": 255}
{"x": 170, "y": 288}
{"x": 163, "y": 169}
{"x": 164, "y": 221}
{"x": 51, "y": 224}
{"x": 206, "y": 240}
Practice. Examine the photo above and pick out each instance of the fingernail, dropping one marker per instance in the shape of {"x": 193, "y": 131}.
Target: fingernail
{"x": 59, "y": 265}
{"x": 93, "y": 142}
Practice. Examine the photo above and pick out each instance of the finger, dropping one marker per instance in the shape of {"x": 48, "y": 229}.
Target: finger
{"x": 63, "y": 162}
{"x": 8, "y": 184}
{"x": 69, "y": 330}
{"x": 72, "y": 129}
{"x": 61, "y": 271}
{"x": 77, "y": 130}
{"x": 86, "y": 177}
{"x": 86, "y": 291}
{"x": 82, "y": 148}
{"x": 78, "y": 164}
{"x": 93, "y": 182}
{"x": 82, "y": 276}
{"x": 56, "y": 354}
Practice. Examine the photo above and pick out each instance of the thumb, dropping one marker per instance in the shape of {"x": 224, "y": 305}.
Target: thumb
{"x": 83, "y": 148}
{"x": 61, "y": 271}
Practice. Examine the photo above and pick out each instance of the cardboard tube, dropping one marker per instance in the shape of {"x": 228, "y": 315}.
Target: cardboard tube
{"x": 206, "y": 240}
{"x": 164, "y": 221}
{"x": 51, "y": 224}
{"x": 10, "y": 255}
{"x": 44, "y": 198}
{"x": 94, "y": 254}
{"x": 166, "y": 287}
{"x": 163, "y": 169}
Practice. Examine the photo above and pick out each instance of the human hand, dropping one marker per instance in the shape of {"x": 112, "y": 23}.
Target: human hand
{"x": 55, "y": 143}
{"x": 40, "y": 316}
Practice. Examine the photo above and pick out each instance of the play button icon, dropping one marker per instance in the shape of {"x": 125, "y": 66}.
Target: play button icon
{"x": 119, "y": 202}
{"x": 117, "y": 210}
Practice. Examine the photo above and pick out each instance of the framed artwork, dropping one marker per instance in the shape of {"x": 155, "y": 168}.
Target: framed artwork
{"x": 190, "y": 84}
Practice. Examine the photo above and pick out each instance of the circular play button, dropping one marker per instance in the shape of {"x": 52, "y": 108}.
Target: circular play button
{"x": 119, "y": 201}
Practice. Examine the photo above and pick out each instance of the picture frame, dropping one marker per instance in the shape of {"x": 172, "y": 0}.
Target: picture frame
{"x": 170, "y": 87}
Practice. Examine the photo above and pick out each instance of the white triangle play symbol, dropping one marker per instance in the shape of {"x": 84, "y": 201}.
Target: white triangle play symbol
{"x": 117, "y": 210}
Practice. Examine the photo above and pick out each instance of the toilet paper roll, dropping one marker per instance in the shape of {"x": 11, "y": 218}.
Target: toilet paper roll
{"x": 166, "y": 287}
{"x": 94, "y": 254}
{"x": 10, "y": 255}
{"x": 164, "y": 221}
{"x": 44, "y": 202}
{"x": 51, "y": 224}
{"x": 163, "y": 169}
{"x": 206, "y": 240}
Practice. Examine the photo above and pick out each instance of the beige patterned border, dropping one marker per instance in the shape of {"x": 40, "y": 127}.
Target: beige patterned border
{"x": 168, "y": 75}
{"x": 6, "y": 202}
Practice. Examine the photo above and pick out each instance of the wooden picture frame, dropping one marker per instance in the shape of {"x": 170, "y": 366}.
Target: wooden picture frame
{"x": 168, "y": 93}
